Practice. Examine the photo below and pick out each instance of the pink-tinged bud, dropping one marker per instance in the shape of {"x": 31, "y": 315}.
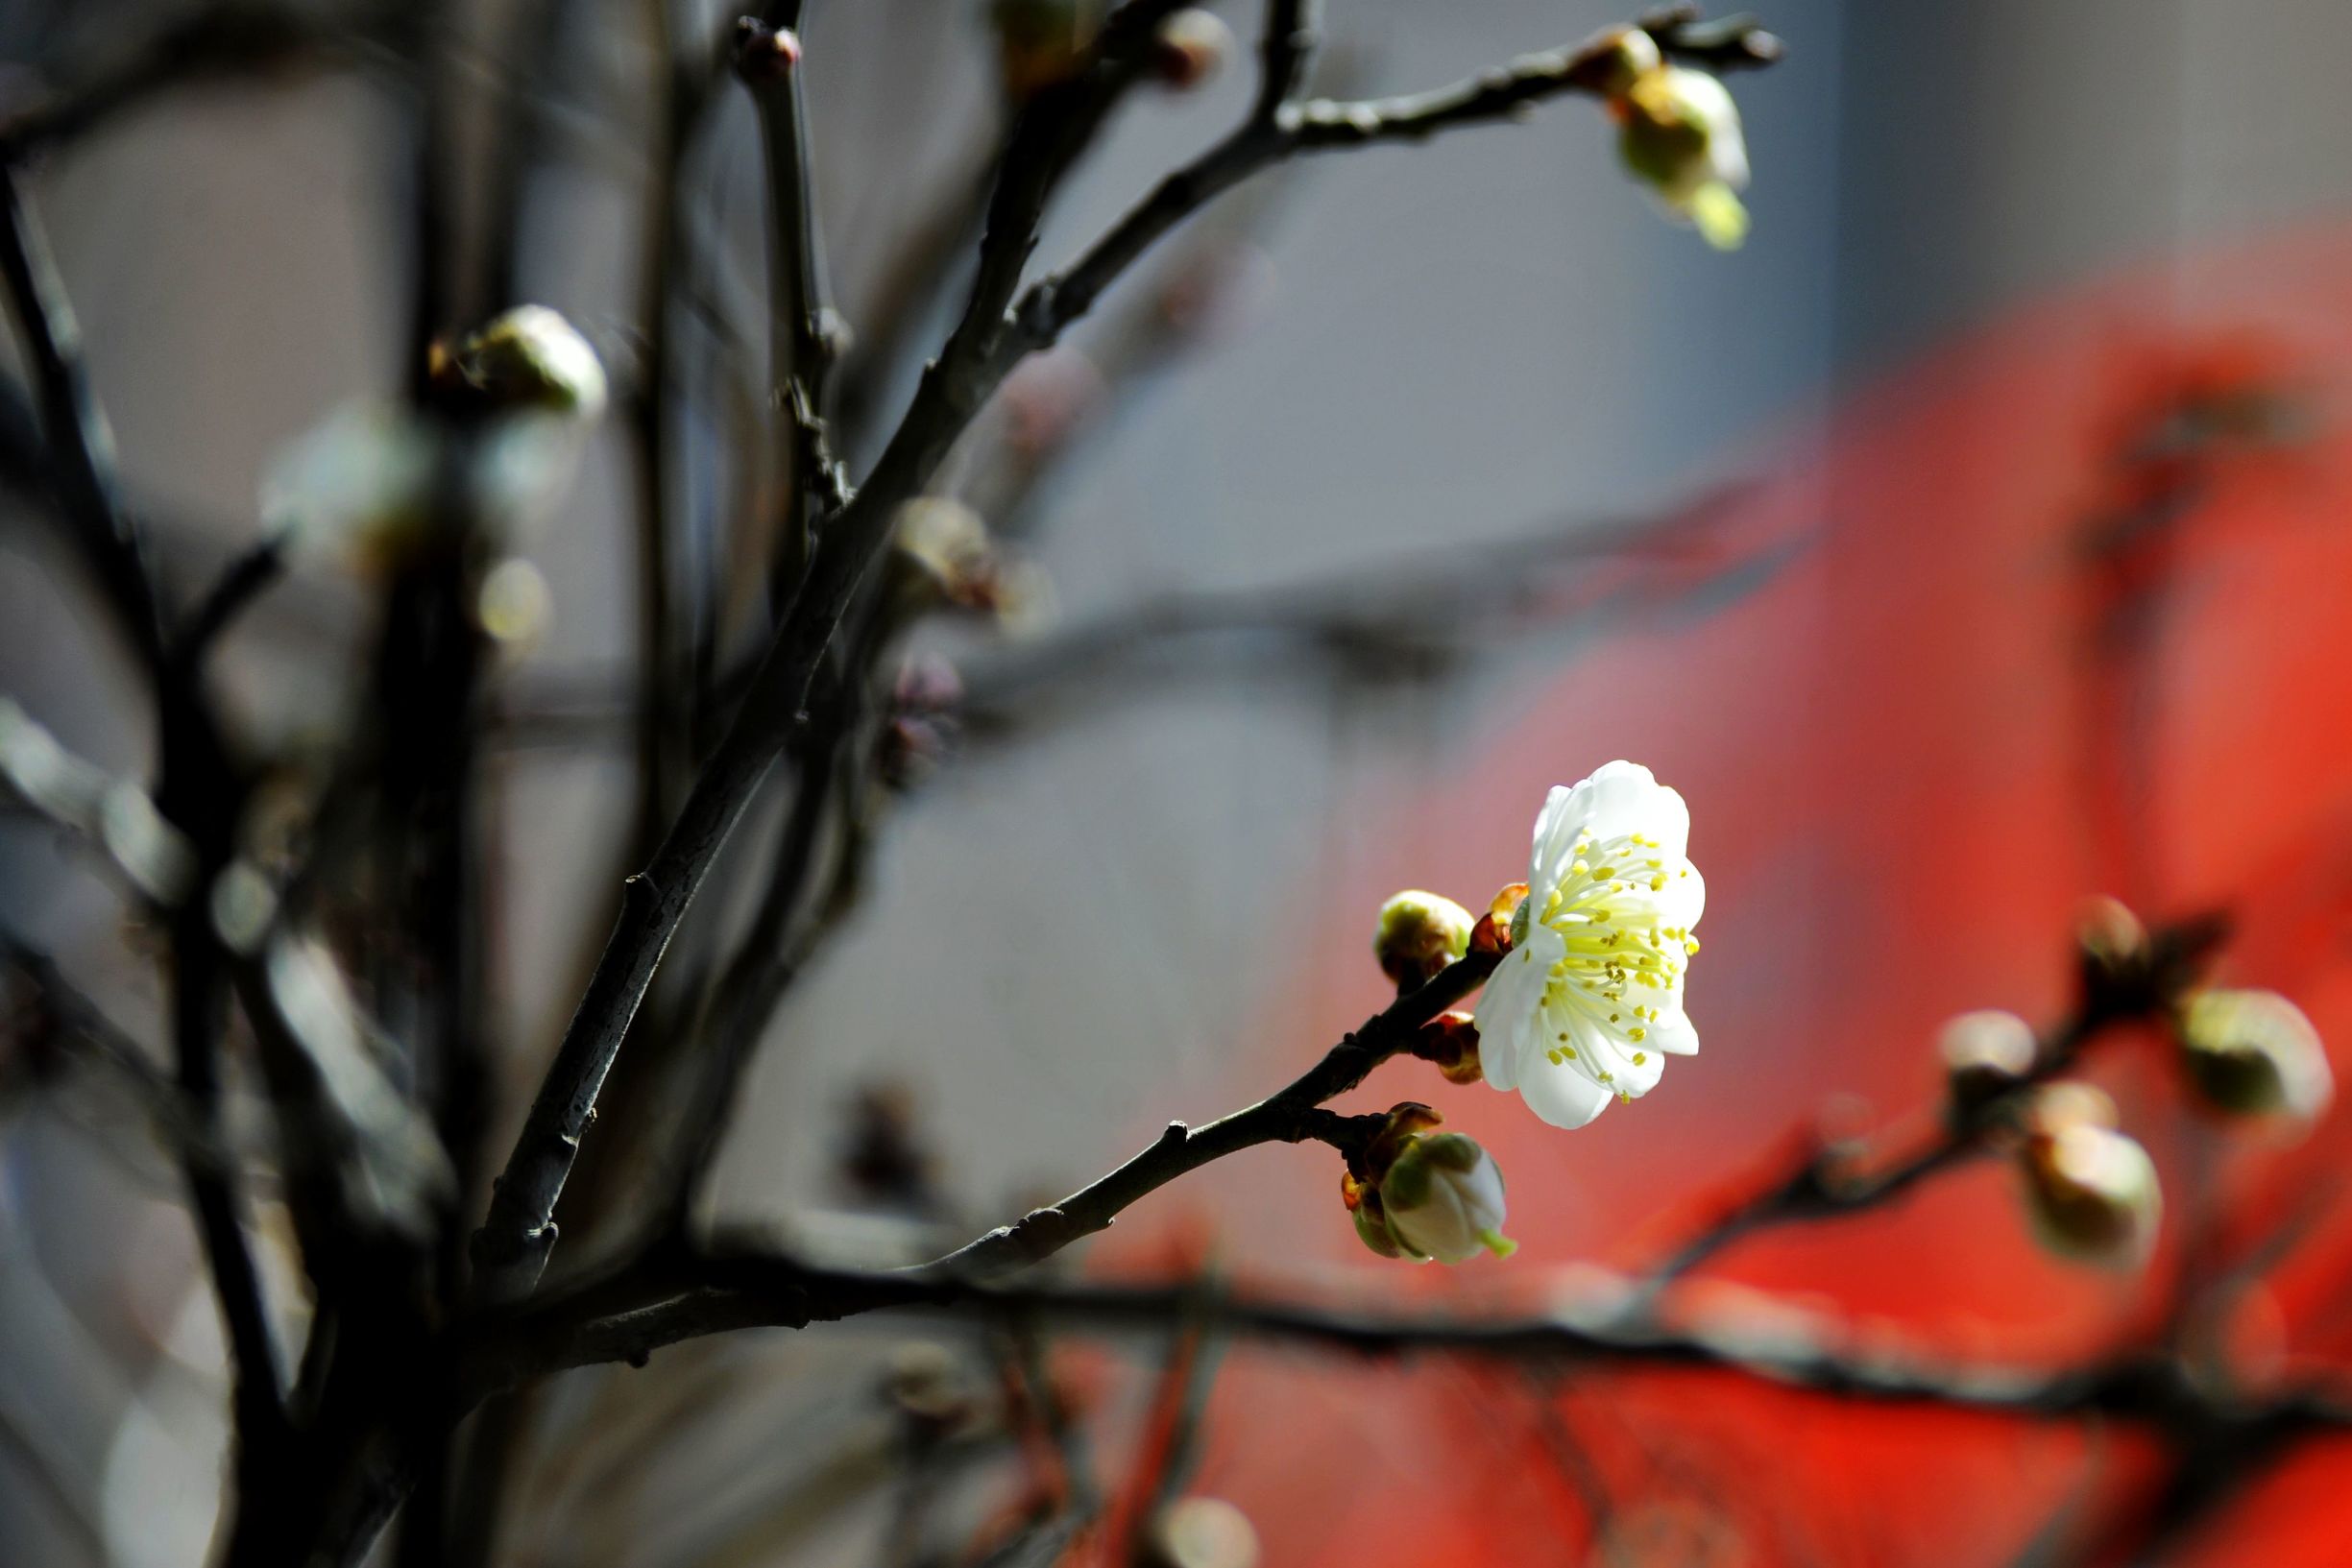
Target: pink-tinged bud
{"x": 765, "y": 54}
{"x": 1493, "y": 931}
{"x": 1450, "y": 1042}
{"x": 1192, "y": 47}
{"x": 1048, "y": 399}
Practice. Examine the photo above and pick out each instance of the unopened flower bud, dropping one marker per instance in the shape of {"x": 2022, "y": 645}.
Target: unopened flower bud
{"x": 1419, "y": 933}
{"x": 1199, "y": 1532}
{"x": 2254, "y": 1053}
{"x": 1679, "y": 134}
{"x": 764, "y": 53}
{"x": 2112, "y": 948}
{"x": 1492, "y": 932}
{"x": 1451, "y": 1042}
{"x": 924, "y": 1383}
{"x": 2055, "y": 1108}
{"x": 2092, "y": 1191}
{"x": 1985, "y": 1055}
{"x": 951, "y": 544}
{"x": 1442, "y": 1196}
{"x": 530, "y": 357}
{"x": 1048, "y": 398}
{"x": 1190, "y": 48}
{"x": 513, "y": 604}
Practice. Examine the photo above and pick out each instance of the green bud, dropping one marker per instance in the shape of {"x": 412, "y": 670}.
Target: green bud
{"x": 2254, "y": 1053}
{"x": 1419, "y": 933}
{"x": 1678, "y": 132}
{"x": 531, "y": 357}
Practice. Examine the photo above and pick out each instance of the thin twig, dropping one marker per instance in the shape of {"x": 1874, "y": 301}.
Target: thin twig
{"x": 247, "y": 575}
{"x": 1828, "y": 1183}
{"x": 767, "y": 60}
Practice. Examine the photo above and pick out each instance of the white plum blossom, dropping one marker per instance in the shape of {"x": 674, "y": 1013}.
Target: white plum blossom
{"x": 1588, "y": 1002}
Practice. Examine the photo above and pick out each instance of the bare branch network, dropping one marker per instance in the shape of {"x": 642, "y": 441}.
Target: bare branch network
{"x": 434, "y": 1312}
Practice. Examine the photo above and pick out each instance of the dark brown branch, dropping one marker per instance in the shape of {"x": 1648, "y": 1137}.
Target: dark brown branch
{"x": 511, "y": 1248}
{"x": 636, "y": 1315}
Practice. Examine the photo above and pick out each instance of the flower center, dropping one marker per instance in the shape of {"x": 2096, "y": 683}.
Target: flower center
{"x": 1621, "y": 956}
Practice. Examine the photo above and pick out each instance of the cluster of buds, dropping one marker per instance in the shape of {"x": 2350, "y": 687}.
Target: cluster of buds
{"x": 2092, "y": 1190}
{"x": 376, "y": 484}
{"x": 1422, "y": 1195}
{"x": 1678, "y": 133}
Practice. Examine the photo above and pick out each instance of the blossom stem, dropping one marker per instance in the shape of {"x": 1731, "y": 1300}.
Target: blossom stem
{"x": 1287, "y": 1116}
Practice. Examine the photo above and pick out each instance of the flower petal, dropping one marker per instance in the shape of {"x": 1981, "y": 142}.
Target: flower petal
{"x": 1507, "y": 1009}
{"x": 1562, "y": 1095}
{"x": 1673, "y": 1033}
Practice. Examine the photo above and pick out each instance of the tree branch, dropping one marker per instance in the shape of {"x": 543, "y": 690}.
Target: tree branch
{"x": 512, "y": 1246}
